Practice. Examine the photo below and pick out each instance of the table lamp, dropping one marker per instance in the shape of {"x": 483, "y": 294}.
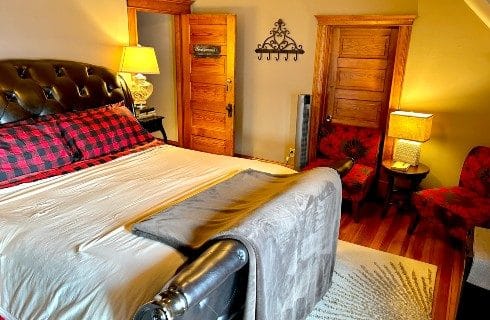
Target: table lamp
{"x": 138, "y": 60}
{"x": 410, "y": 129}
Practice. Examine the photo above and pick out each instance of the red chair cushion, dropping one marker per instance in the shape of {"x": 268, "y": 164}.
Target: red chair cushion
{"x": 356, "y": 183}
{"x": 462, "y": 208}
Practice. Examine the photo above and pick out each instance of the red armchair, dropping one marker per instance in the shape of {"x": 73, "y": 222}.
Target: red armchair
{"x": 462, "y": 207}
{"x": 339, "y": 141}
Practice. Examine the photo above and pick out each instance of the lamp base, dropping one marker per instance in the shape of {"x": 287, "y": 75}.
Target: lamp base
{"x": 407, "y": 151}
{"x": 141, "y": 89}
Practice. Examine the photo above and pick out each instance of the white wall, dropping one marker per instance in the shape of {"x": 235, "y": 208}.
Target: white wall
{"x": 91, "y": 31}
{"x": 156, "y": 30}
{"x": 267, "y": 90}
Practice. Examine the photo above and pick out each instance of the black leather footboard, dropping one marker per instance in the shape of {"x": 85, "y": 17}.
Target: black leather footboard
{"x": 211, "y": 287}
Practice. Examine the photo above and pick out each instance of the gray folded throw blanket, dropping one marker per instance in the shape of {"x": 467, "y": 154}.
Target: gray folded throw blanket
{"x": 289, "y": 224}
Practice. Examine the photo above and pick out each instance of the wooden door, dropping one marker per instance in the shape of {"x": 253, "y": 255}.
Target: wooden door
{"x": 208, "y": 45}
{"x": 360, "y": 75}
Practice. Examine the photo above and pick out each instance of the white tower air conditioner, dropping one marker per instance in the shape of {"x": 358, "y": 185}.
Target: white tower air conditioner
{"x": 302, "y": 131}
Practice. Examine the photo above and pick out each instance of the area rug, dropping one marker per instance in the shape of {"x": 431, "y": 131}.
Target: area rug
{"x": 371, "y": 284}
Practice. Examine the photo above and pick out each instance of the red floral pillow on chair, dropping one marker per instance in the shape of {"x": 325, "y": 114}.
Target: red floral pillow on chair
{"x": 338, "y": 141}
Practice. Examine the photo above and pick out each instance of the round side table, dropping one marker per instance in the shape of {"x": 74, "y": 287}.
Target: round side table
{"x": 414, "y": 175}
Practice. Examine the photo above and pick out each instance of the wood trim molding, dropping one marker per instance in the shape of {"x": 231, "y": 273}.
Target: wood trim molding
{"x": 178, "y": 76}
{"x": 175, "y": 8}
{"x": 322, "y": 62}
{"x": 401, "y": 54}
{"x": 162, "y": 6}
{"x": 185, "y": 93}
{"x": 133, "y": 26}
{"x": 366, "y": 20}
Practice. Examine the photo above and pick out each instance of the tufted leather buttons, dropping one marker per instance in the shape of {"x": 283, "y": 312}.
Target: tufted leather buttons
{"x": 48, "y": 93}
{"x": 59, "y": 70}
{"x": 30, "y": 88}
{"x": 22, "y": 72}
{"x": 10, "y": 96}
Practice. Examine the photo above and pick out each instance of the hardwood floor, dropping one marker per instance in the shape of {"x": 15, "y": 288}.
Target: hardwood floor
{"x": 428, "y": 244}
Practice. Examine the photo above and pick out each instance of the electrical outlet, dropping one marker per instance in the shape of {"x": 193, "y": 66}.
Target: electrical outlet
{"x": 291, "y": 154}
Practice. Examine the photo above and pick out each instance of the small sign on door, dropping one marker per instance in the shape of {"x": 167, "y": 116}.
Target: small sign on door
{"x": 206, "y": 51}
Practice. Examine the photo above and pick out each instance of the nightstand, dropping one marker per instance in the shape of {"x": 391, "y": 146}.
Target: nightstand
{"x": 411, "y": 179}
{"x": 154, "y": 123}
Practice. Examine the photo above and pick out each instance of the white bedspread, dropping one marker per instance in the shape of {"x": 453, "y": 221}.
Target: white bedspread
{"x": 65, "y": 248}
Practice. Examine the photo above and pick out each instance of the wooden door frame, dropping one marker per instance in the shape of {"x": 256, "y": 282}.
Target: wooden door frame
{"x": 325, "y": 27}
{"x": 175, "y": 8}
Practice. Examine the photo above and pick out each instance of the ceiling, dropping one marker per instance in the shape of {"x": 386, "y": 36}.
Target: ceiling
{"x": 481, "y": 8}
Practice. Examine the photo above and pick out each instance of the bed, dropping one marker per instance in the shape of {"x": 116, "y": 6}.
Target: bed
{"x": 66, "y": 247}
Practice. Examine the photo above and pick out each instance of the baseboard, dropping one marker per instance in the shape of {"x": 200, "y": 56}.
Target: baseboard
{"x": 263, "y": 160}
{"x": 173, "y": 143}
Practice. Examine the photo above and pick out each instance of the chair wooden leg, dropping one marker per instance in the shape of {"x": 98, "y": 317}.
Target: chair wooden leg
{"x": 355, "y": 210}
{"x": 414, "y": 223}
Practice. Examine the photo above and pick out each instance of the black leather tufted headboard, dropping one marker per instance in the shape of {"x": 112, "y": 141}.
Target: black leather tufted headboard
{"x": 31, "y": 88}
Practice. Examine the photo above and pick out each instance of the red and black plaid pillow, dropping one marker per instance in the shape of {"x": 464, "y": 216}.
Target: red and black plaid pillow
{"x": 26, "y": 149}
{"x": 102, "y": 131}
{"x": 75, "y": 166}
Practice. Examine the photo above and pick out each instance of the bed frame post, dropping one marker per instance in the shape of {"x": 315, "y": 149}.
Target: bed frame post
{"x": 217, "y": 268}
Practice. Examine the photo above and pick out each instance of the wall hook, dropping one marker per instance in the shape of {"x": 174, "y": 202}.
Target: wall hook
{"x": 279, "y": 42}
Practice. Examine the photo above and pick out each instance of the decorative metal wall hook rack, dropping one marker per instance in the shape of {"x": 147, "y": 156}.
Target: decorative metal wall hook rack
{"x": 279, "y": 42}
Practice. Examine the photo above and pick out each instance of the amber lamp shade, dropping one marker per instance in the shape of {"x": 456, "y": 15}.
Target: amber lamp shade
{"x": 410, "y": 129}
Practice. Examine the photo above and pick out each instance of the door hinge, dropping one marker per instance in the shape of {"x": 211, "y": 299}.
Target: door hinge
{"x": 228, "y": 84}
{"x": 229, "y": 108}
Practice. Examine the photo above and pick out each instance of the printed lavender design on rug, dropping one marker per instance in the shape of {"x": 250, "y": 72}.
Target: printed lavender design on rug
{"x": 371, "y": 284}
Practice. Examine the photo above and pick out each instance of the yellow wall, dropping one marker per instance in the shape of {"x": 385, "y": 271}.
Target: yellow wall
{"x": 448, "y": 74}
{"x": 89, "y": 30}
{"x": 267, "y": 90}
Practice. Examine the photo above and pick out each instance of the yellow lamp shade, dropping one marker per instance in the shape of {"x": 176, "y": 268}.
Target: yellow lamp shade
{"x": 410, "y": 125}
{"x": 139, "y": 60}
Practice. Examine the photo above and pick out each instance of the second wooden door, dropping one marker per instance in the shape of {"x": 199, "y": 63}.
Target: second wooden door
{"x": 360, "y": 75}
